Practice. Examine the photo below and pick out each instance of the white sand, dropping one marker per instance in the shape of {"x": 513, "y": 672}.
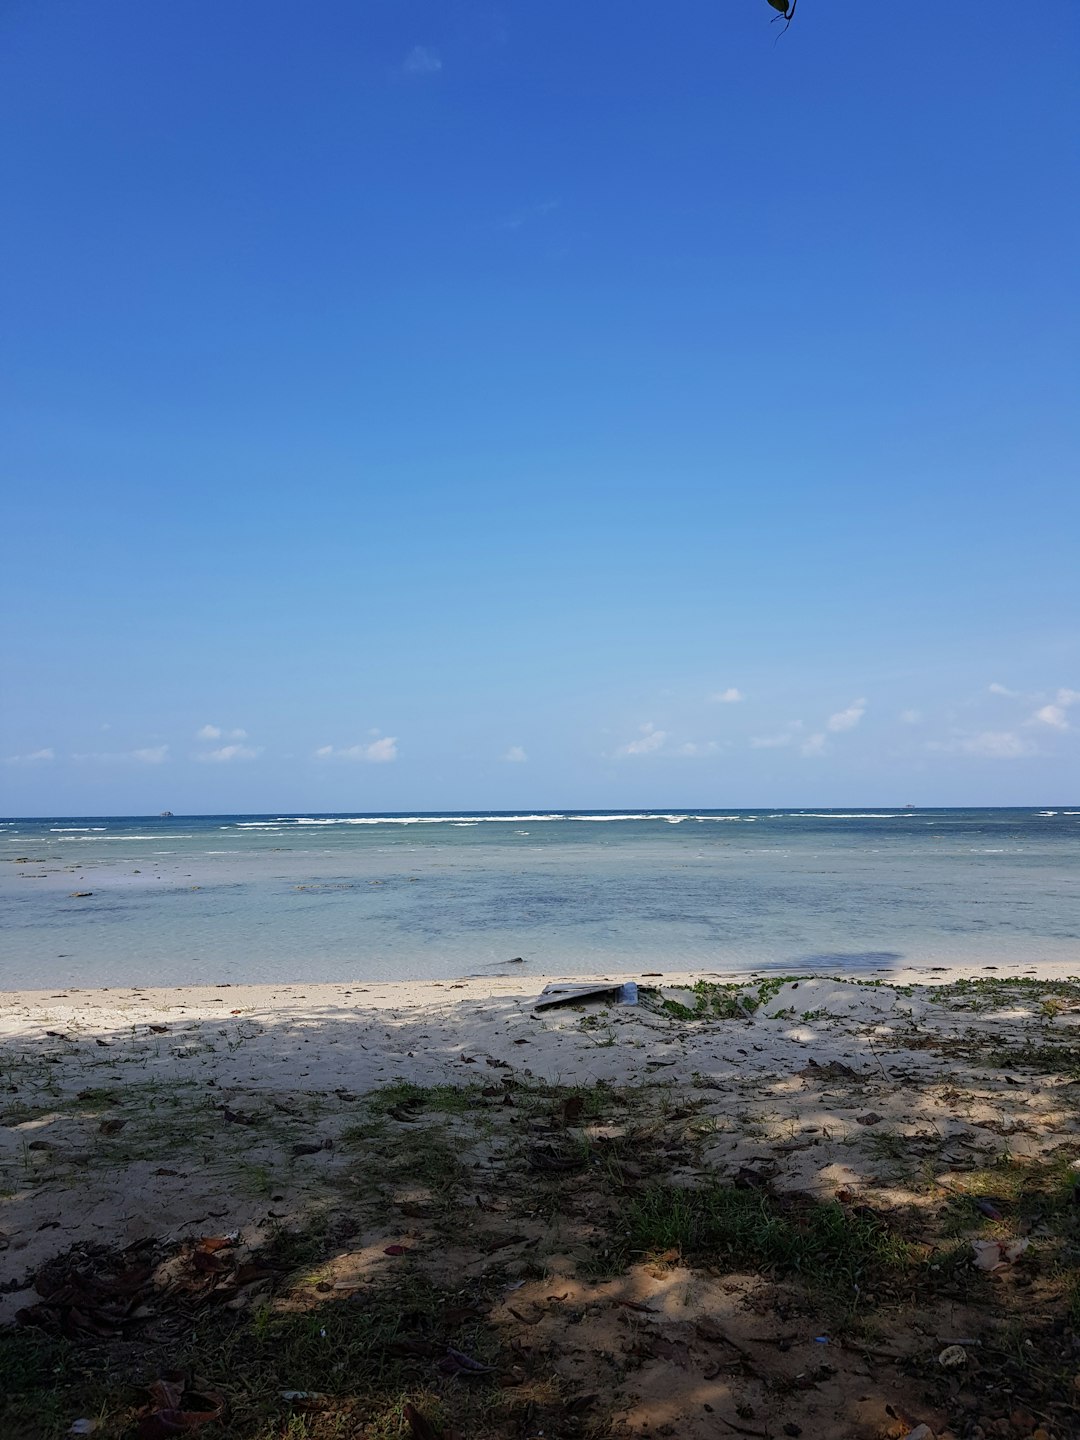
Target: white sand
{"x": 302, "y": 1054}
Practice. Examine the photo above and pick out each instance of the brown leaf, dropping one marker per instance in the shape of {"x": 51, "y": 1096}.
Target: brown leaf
{"x": 420, "y": 1427}
{"x": 572, "y": 1108}
{"x": 166, "y": 1391}
{"x": 193, "y": 1411}
{"x": 209, "y": 1264}
{"x": 212, "y": 1243}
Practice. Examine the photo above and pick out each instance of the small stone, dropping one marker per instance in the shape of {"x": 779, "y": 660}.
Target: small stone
{"x": 921, "y": 1432}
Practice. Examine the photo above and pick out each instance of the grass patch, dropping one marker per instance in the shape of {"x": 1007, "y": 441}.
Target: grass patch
{"x": 35, "y": 1370}
{"x": 1047, "y": 1058}
{"x": 720, "y": 1225}
{"x": 985, "y": 992}
{"x": 403, "y": 1096}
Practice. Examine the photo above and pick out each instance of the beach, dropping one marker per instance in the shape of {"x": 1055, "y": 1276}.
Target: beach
{"x": 156, "y": 1117}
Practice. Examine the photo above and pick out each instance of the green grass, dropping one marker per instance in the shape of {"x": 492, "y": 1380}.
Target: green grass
{"x": 721, "y": 1225}
{"x": 1045, "y": 1058}
{"x": 718, "y": 1000}
{"x": 34, "y": 1370}
{"x": 985, "y": 992}
{"x": 402, "y": 1095}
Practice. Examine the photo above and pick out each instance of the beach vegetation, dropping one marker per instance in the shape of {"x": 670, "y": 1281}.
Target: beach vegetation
{"x": 748, "y": 1227}
{"x": 723, "y": 1000}
{"x": 470, "y": 1232}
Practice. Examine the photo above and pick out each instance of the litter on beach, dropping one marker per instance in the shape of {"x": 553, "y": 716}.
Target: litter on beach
{"x": 618, "y": 993}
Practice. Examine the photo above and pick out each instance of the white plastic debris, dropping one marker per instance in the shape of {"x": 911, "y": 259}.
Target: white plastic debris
{"x": 952, "y": 1356}
{"x": 993, "y": 1254}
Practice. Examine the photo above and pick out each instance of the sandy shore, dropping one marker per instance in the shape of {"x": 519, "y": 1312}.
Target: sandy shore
{"x": 163, "y": 1116}
{"x": 100, "y": 1086}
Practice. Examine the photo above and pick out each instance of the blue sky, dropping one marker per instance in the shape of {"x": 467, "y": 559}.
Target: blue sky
{"x": 415, "y": 405}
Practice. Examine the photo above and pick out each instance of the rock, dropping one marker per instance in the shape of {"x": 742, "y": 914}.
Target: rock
{"x": 921, "y": 1432}
{"x": 953, "y": 1356}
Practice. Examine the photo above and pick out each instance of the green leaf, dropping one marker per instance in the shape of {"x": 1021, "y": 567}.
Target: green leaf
{"x": 781, "y": 5}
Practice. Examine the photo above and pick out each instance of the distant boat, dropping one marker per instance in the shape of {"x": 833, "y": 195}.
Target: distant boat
{"x": 166, "y": 815}
{"x": 909, "y": 807}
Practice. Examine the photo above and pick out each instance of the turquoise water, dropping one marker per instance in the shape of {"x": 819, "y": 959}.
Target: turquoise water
{"x": 216, "y": 898}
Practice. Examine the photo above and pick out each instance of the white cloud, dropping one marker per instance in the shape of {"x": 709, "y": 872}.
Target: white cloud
{"x": 846, "y": 719}
{"x": 215, "y": 732}
{"x": 516, "y": 755}
{"x": 228, "y": 753}
{"x": 378, "y": 752}
{"x": 695, "y": 748}
{"x": 996, "y": 689}
{"x": 1053, "y": 715}
{"x": 381, "y": 752}
{"x": 422, "y": 60}
{"x": 911, "y": 717}
{"x": 33, "y": 758}
{"x": 651, "y": 740}
{"x": 815, "y": 744}
{"x": 730, "y": 696}
{"x": 987, "y": 744}
{"x": 152, "y": 755}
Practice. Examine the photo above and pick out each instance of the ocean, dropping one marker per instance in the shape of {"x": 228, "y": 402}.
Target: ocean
{"x": 256, "y": 898}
